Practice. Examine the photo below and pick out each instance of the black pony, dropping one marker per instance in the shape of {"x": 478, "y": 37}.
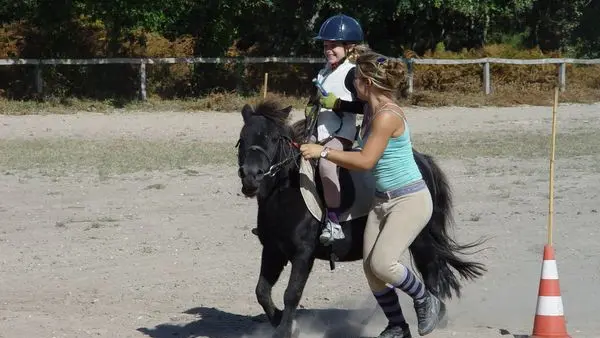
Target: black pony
{"x": 267, "y": 157}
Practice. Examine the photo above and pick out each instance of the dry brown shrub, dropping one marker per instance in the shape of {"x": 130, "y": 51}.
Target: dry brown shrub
{"x": 165, "y": 80}
{"x": 12, "y": 39}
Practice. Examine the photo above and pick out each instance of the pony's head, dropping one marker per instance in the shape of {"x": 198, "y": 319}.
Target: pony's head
{"x": 262, "y": 143}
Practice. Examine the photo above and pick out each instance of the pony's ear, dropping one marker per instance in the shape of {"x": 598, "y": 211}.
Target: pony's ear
{"x": 247, "y": 112}
{"x": 286, "y": 111}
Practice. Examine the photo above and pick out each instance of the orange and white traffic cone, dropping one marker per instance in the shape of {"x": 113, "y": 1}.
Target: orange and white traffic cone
{"x": 549, "y": 315}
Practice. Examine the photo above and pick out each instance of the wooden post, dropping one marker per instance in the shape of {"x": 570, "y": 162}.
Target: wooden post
{"x": 551, "y": 184}
{"x": 143, "y": 95}
{"x": 39, "y": 80}
{"x": 562, "y": 76}
{"x": 265, "y": 85}
{"x": 409, "y": 67}
{"x": 486, "y": 78}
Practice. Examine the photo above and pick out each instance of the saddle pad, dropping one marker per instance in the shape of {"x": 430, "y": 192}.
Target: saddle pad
{"x": 364, "y": 185}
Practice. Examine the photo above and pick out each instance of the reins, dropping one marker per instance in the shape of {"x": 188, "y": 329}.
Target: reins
{"x": 274, "y": 169}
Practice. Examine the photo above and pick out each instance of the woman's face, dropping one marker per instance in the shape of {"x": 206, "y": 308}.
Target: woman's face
{"x": 334, "y": 51}
{"x": 361, "y": 86}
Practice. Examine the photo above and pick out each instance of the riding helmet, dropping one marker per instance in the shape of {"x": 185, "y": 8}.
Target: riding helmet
{"x": 341, "y": 28}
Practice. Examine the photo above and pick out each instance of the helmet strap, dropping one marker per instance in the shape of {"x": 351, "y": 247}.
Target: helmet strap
{"x": 335, "y": 65}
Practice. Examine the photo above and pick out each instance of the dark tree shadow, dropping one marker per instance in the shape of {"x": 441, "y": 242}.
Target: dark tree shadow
{"x": 215, "y": 323}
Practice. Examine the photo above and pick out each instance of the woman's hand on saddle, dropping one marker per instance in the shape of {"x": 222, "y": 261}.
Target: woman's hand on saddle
{"x": 311, "y": 150}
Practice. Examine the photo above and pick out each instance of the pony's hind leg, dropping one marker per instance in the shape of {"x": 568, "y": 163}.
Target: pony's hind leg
{"x": 272, "y": 264}
{"x": 301, "y": 266}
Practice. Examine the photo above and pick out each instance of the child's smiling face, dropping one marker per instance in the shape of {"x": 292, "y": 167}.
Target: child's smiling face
{"x": 334, "y": 51}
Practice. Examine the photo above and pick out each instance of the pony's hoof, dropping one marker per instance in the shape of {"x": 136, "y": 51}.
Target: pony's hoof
{"x": 280, "y": 334}
{"x": 285, "y": 331}
{"x": 276, "y": 320}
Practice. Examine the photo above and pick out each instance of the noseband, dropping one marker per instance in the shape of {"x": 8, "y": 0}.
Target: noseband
{"x": 262, "y": 151}
{"x": 274, "y": 168}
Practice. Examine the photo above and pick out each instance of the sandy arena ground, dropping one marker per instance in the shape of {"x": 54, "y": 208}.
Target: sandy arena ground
{"x": 170, "y": 254}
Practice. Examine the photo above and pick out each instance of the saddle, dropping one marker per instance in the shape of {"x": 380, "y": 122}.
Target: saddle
{"x": 357, "y": 191}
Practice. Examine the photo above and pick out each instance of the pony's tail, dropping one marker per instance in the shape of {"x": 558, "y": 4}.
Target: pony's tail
{"x": 434, "y": 251}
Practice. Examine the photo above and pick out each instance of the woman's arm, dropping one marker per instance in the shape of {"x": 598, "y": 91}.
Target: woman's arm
{"x": 384, "y": 126}
{"x": 356, "y": 106}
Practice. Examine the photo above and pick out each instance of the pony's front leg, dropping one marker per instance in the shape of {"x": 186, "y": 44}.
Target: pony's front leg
{"x": 271, "y": 266}
{"x": 301, "y": 266}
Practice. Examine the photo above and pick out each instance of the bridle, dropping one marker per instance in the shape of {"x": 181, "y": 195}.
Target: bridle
{"x": 276, "y": 167}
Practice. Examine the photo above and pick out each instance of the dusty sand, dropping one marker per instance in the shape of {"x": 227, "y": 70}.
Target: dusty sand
{"x": 85, "y": 256}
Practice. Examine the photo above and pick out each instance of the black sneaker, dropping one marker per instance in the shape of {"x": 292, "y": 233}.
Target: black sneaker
{"x": 396, "y": 331}
{"x": 430, "y": 311}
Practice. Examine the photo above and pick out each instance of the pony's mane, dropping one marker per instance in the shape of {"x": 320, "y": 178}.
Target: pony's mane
{"x": 270, "y": 109}
{"x": 298, "y": 129}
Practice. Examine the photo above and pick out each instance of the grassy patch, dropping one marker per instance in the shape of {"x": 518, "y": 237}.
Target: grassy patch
{"x": 56, "y": 156}
{"x": 225, "y": 102}
{"x": 517, "y": 145}
{"x": 502, "y": 96}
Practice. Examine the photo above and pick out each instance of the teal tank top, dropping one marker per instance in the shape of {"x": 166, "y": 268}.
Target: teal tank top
{"x": 396, "y": 166}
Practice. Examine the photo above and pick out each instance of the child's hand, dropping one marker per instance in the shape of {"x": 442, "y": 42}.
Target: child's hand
{"x": 328, "y": 101}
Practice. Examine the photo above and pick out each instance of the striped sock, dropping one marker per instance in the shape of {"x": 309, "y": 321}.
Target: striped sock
{"x": 388, "y": 300}
{"x": 411, "y": 285}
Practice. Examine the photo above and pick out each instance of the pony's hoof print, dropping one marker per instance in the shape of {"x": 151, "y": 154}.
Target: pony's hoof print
{"x": 443, "y": 319}
{"x": 443, "y": 323}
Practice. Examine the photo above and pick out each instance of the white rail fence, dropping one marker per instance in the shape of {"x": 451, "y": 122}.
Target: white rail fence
{"x": 484, "y": 62}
